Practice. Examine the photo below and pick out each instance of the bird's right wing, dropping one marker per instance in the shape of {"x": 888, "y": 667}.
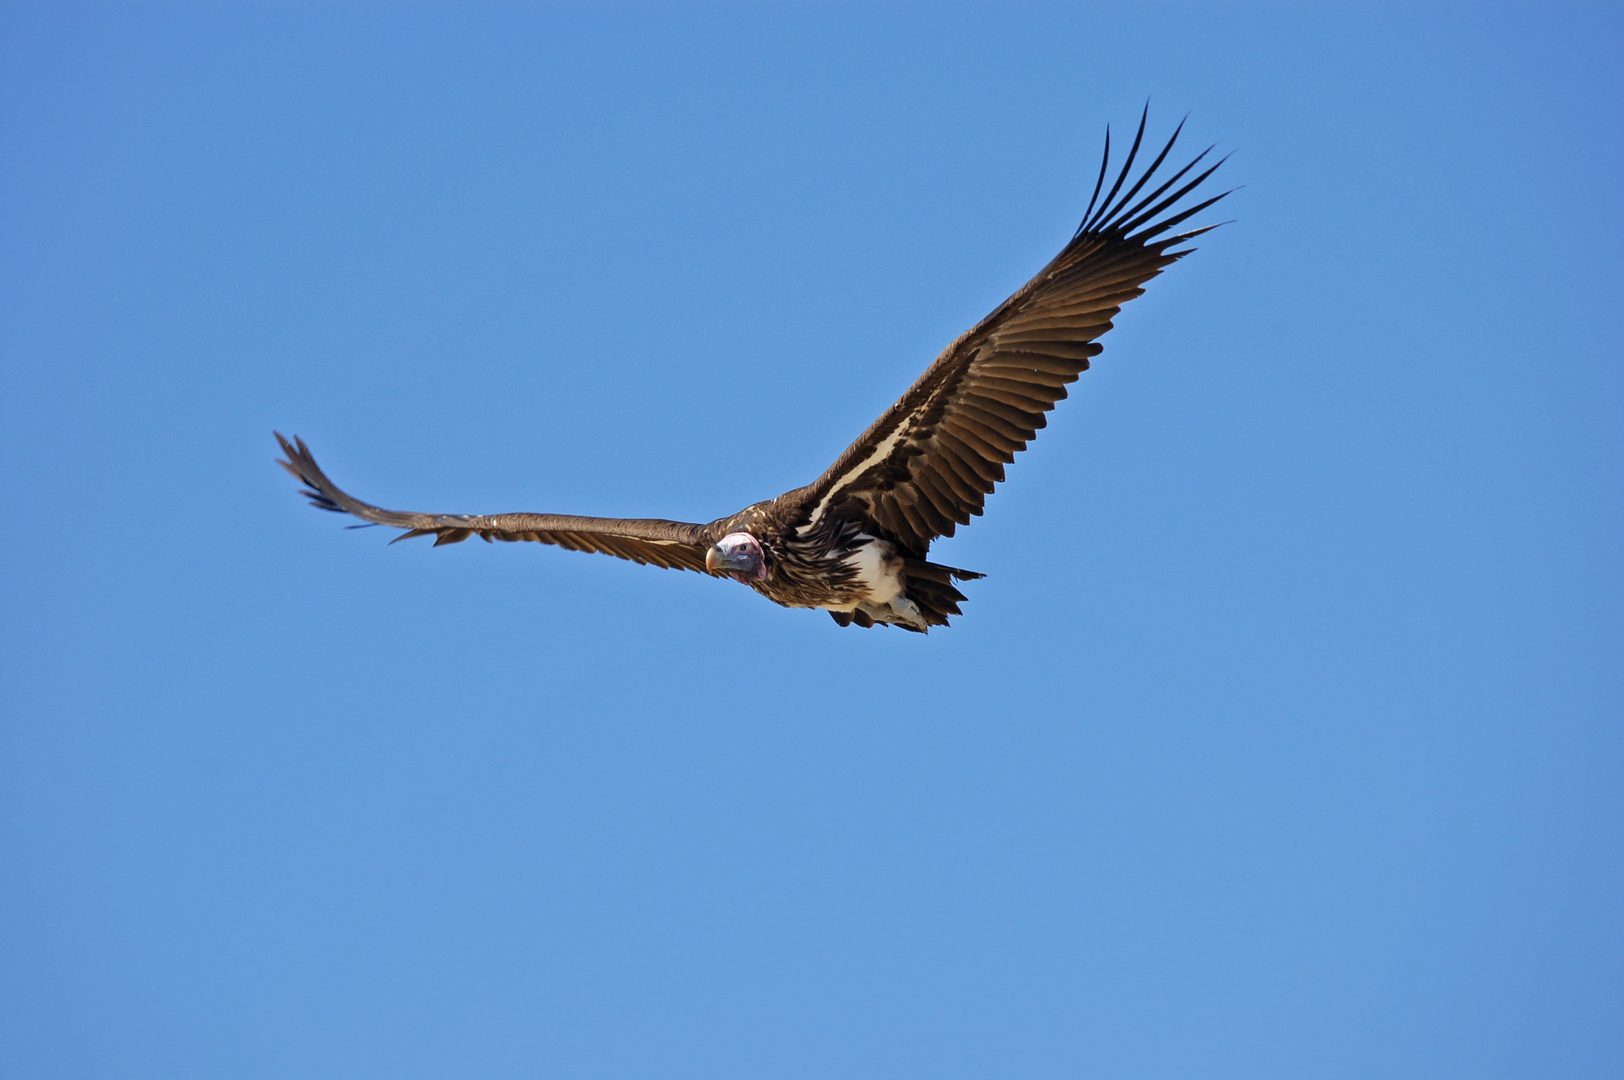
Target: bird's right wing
{"x": 675, "y": 545}
{"x": 929, "y": 462}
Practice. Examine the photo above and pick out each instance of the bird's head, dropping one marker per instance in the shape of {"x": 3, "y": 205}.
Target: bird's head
{"x": 739, "y": 556}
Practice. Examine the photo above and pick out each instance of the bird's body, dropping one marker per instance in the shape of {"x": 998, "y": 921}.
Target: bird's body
{"x": 855, "y": 541}
{"x": 835, "y": 563}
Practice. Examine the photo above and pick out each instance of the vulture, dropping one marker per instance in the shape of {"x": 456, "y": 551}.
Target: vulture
{"x": 855, "y": 541}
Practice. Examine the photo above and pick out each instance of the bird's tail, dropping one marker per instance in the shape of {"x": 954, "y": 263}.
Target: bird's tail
{"x": 930, "y": 587}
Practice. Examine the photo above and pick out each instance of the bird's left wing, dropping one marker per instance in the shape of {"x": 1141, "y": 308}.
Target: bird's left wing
{"x": 675, "y": 545}
{"x": 930, "y": 460}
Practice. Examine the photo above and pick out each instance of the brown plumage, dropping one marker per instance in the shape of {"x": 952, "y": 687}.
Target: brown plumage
{"x": 854, "y": 542}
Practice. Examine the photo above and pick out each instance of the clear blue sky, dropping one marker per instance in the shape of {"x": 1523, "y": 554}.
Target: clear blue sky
{"x": 1284, "y": 738}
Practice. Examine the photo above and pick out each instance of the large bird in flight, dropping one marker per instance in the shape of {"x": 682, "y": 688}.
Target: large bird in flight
{"x": 854, "y": 542}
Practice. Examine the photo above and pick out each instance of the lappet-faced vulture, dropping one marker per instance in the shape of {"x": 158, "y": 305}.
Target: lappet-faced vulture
{"x": 855, "y": 541}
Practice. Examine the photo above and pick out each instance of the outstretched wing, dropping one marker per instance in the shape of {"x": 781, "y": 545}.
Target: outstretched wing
{"x": 675, "y": 545}
{"x": 930, "y": 461}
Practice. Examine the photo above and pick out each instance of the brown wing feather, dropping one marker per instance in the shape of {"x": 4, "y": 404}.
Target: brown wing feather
{"x": 674, "y": 545}
{"x": 929, "y": 462}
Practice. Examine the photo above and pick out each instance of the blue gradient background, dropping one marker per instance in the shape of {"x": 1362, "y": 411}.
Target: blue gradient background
{"x": 1285, "y": 737}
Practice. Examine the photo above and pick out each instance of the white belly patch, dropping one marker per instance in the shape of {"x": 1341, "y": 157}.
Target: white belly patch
{"x": 879, "y": 573}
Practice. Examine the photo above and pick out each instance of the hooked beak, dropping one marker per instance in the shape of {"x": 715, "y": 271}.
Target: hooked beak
{"x": 740, "y": 561}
